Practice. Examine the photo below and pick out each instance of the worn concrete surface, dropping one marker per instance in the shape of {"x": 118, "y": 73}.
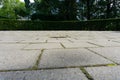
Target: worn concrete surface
{"x": 70, "y": 57}
{"x": 104, "y": 73}
{"x": 18, "y": 59}
{"x": 55, "y": 74}
{"x": 59, "y": 55}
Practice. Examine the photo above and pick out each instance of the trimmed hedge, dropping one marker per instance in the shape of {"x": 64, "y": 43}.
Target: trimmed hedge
{"x": 106, "y": 24}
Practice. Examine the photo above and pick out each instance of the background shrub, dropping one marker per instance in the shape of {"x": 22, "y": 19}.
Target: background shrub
{"x": 106, "y": 24}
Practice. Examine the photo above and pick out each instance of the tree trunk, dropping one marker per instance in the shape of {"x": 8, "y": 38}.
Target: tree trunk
{"x": 108, "y": 9}
{"x": 27, "y": 2}
{"x": 70, "y": 9}
{"x": 114, "y": 8}
{"x": 88, "y": 9}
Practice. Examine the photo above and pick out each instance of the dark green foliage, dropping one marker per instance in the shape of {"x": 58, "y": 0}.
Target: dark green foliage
{"x": 43, "y": 17}
{"x": 107, "y": 24}
{"x": 27, "y": 2}
{"x": 69, "y": 10}
{"x": 60, "y": 10}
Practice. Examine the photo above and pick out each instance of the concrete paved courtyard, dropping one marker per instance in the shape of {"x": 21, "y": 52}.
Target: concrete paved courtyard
{"x": 59, "y": 55}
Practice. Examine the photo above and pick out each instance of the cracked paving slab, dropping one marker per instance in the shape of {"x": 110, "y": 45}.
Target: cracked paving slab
{"x": 55, "y": 74}
{"x": 104, "y": 73}
{"x": 70, "y": 57}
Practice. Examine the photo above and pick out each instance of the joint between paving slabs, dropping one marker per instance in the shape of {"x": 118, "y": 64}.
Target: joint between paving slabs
{"x": 35, "y": 67}
{"x": 97, "y": 65}
{"x": 27, "y": 44}
{"x": 62, "y": 45}
{"x": 95, "y": 44}
{"x": 102, "y": 56}
{"x": 100, "y": 65}
{"x": 70, "y": 41}
{"x": 76, "y": 39}
{"x": 46, "y": 41}
{"x": 86, "y": 73}
{"x": 28, "y": 69}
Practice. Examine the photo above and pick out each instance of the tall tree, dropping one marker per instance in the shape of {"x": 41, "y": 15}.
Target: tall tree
{"x": 114, "y": 8}
{"x": 68, "y": 9}
{"x": 99, "y": 9}
{"x": 20, "y": 10}
{"x": 8, "y": 8}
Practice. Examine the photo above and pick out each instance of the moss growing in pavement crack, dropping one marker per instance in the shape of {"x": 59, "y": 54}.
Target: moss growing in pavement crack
{"x": 35, "y": 67}
{"x": 112, "y": 65}
{"x": 86, "y": 73}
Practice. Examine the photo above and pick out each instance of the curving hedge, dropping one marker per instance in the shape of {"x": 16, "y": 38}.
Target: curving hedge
{"x": 106, "y": 24}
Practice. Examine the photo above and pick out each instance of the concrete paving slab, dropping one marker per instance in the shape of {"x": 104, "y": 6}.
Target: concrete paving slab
{"x": 52, "y": 40}
{"x": 12, "y": 46}
{"x": 9, "y": 41}
{"x": 105, "y": 43}
{"x": 78, "y": 45}
{"x": 116, "y": 40}
{"x": 13, "y": 58}
{"x": 44, "y": 46}
{"x": 70, "y": 57}
{"x": 55, "y": 74}
{"x": 112, "y": 53}
{"x": 18, "y": 59}
{"x": 9, "y": 36}
{"x": 33, "y": 41}
{"x": 104, "y": 73}
{"x": 79, "y": 41}
{"x": 82, "y": 37}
